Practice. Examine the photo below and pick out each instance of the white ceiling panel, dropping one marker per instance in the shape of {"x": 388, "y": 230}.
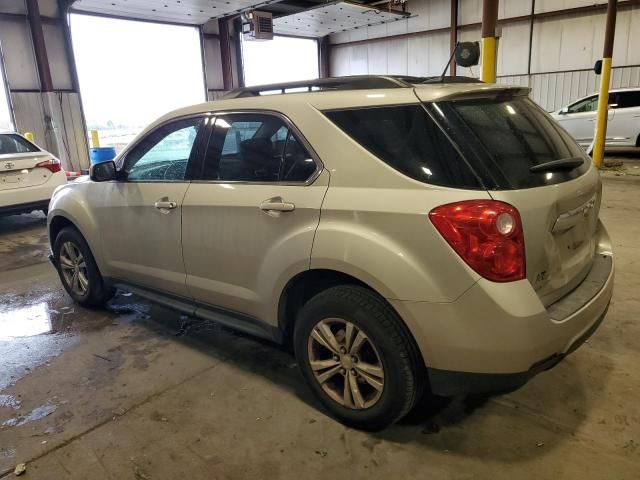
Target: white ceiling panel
{"x": 331, "y": 18}
{"x": 195, "y": 12}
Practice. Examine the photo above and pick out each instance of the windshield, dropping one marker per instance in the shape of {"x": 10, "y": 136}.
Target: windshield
{"x": 11, "y": 143}
{"x": 511, "y": 136}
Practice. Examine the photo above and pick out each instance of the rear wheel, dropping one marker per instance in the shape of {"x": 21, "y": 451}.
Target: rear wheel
{"x": 78, "y": 271}
{"x": 358, "y": 357}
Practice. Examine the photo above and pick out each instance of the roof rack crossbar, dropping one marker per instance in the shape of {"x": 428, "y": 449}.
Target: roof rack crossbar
{"x": 355, "y": 82}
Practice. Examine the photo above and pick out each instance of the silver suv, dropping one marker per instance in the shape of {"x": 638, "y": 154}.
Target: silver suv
{"x": 403, "y": 235}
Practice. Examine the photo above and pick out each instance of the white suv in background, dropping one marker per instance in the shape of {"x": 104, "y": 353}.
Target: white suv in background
{"x": 623, "y": 125}
{"x": 28, "y": 175}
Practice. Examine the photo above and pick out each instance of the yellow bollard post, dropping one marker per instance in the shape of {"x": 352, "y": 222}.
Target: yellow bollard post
{"x": 488, "y": 72}
{"x": 489, "y": 20}
{"x": 605, "y": 78}
{"x": 95, "y": 139}
{"x": 28, "y": 136}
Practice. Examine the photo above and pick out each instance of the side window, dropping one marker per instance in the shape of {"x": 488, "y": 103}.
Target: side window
{"x": 407, "y": 139}
{"x": 587, "y": 105}
{"x": 252, "y": 147}
{"x": 164, "y": 154}
{"x": 297, "y": 164}
{"x": 627, "y": 99}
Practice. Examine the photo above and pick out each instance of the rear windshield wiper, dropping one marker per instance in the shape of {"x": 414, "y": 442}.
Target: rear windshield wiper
{"x": 562, "y": 164}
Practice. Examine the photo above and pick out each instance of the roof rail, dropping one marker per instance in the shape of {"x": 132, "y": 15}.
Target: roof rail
{"x": 354, "y": 82}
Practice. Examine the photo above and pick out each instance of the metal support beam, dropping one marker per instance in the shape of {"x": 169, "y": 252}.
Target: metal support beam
{"x": 453, "y": 35}
{"x": 237, "y": 41}
{"x": 39, "y": 47}
{"x": 605, "y": 79}
{"x": 531, "y": 23}
{"x": 489, "y": 46}
{"x": 324, "y": 57}
{"x": 225, "y": 54}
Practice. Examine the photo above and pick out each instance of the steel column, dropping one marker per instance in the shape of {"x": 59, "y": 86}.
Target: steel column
{"x": 605, "y": 79}
{"x": 324, "y": 57}
{"x": 489, "y": 47}
{"x": 225, "y": 54}
{"x": 453, "y": 35}
{"x": 39, "y": 47}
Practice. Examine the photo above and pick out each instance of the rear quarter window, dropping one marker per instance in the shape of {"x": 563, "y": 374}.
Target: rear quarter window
{"x": 407, "y": 139}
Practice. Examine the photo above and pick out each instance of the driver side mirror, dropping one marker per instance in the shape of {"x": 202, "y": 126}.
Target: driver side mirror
{"x": 103, "y": 171}
{"x": 564, "y": 111}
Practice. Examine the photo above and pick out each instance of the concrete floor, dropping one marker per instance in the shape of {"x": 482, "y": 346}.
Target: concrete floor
{"x": 137, "y": 392}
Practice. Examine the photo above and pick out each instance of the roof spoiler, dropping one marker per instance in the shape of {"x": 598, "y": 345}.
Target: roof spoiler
{"x": 496, "y": 92}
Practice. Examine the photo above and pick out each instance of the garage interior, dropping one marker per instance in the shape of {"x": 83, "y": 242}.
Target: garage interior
{"x": 138, "y": 391}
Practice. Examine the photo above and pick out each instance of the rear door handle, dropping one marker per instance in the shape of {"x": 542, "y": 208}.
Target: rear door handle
{"x": 275, "y": 206}
{"x": 165, "y": 205}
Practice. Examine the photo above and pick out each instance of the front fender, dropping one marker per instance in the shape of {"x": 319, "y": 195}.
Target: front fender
{"x": 70, "y": 202}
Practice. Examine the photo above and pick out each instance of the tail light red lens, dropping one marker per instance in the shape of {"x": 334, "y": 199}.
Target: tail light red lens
{"x": 53, "y": 165}
{"x": 487, "y": 234}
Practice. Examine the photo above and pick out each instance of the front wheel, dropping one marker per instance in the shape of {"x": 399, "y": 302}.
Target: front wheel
{"x": 358, "y": 357}
{"x": 78, "y": 271}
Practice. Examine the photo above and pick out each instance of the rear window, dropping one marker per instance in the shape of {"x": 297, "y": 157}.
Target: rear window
{"x": 10, "y": 143}
{"x": 512, "y": 136}
{"x": 406, "y": 138}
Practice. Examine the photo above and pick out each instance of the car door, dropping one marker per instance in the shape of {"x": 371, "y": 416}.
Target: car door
{"x": 624, "y": 128}
{"x": 248, "y": 223}
{"x": 140, "y": 218}
{"x": 579, "y": 119}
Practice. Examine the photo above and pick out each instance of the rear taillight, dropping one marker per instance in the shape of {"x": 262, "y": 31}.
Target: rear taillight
{"x": 53, "y": 165}
{"x": 487, "y": 235}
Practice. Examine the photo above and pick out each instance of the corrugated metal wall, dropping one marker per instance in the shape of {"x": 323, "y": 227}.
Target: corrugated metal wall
{"x": 555, "y": 90}
{"x": 55, "y": 118}
{"x": 563, "y": 48}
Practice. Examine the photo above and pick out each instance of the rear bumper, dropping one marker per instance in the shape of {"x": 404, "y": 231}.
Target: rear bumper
{"x": 450, "y": 383}
{"x": 24, "y": 207}
{"x": 27, "y": 199}
{"x": 496, "y": 336}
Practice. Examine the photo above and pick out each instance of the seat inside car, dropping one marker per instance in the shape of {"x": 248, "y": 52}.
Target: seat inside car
{"x": 258, "y": 160}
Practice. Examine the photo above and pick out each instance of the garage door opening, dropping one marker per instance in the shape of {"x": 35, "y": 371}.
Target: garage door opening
{"x": 132, "y": 72}
{"x": 283, "y": 59}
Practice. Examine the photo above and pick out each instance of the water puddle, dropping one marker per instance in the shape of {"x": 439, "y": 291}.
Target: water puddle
{"x": 9, "y": 401}
{"x": 35, "y": 414}
{"x": 25, "y": 321}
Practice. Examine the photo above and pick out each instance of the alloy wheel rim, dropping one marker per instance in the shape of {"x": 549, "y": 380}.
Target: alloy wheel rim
{"x": 346, "y": 363}
{"x": 74, "y": 269}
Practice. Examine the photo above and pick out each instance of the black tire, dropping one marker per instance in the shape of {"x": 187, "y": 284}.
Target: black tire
{"x": 404, "y": 372}
{"x": 97, "y": 291}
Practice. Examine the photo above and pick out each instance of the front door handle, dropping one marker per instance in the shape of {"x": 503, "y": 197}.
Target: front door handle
{"x": 165, "y": 205}
{"x": 277, "y": 206}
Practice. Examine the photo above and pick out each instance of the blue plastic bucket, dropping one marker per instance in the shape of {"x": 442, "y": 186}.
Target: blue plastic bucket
{"x": 101, "y": 154}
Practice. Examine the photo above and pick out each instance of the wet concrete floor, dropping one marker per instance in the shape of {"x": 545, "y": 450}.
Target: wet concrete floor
{"x": 138, "y": 392}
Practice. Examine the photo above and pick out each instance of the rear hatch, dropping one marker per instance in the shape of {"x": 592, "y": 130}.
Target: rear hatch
{"x": 526, "y": 159}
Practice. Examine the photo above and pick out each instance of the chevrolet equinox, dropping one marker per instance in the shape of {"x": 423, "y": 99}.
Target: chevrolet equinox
{"x": 406, "y": 236}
